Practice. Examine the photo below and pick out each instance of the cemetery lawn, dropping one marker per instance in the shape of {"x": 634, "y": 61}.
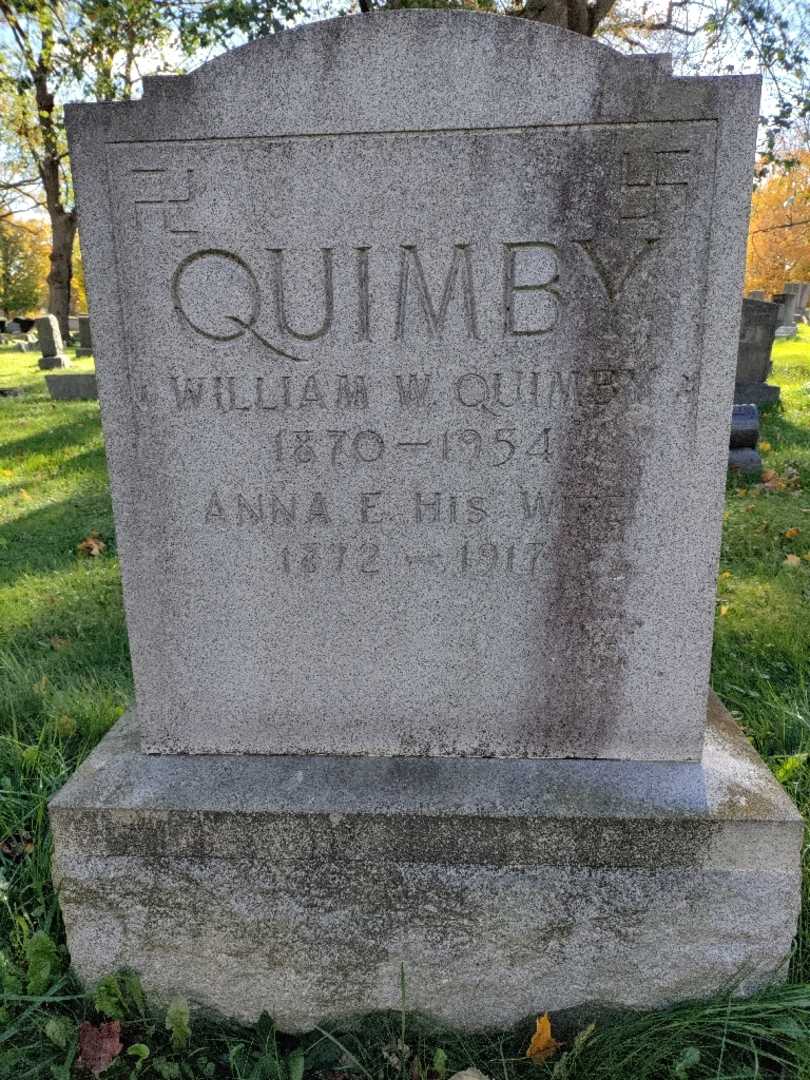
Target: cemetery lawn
{"x": 65, "y": 679}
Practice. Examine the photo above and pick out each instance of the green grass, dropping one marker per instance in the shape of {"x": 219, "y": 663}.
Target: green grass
{"x": 65, "y": 678}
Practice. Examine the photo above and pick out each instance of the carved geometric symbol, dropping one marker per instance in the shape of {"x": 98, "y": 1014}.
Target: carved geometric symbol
{"x": 655, "y": 187}
{"x": 156, "y": 187}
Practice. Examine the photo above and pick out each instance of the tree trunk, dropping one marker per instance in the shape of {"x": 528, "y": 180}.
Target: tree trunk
{"x": 578, "y": 15}
{"x": 63, "y": 221}
{"x": 63, "y": 230}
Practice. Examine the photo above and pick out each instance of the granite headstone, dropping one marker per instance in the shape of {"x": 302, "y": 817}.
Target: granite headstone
{"x": 786, "y": 318}
{"x": 415, "y": 336}
{"x": 757, "y": 331}
{"x": 85, "y": 346}
{"x": 50, "y": 344}
{"x": 73, "y": 387}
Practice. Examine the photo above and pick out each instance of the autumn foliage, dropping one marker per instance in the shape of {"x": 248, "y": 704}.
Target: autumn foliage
{"x": 779, "y": 233}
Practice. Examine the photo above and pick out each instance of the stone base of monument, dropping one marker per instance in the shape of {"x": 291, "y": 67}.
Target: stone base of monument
{"x": 756, "y": 394}
{"x": 79, "y": 387}
{"x": 302, "y": 885}
{"x": 744, "y": 460}
{"x": 48, "y": 363}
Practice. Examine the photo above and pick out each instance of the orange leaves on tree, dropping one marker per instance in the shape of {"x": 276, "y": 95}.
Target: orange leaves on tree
{"x": 91, "y": 546}
{"x": 779, "y": 232}
{"x": 99, "y": 1046}
{"x": 543, "y": 1043}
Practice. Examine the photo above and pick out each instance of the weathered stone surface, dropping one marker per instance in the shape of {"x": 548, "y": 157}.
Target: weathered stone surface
{"x": 757, "y": 331}
{"x": 85, "y": 346}
{"x": 755, "y": 394}
{"x": 745, "y": 461}
{"x": 744, "y": 427}
{"x": 299, "y": 885}
{"x": 415, "y": 334}
{"x": 72, "y": 387}
{"x": 50, "y": 344}
{"x": 49, "y": 363}
{"x": 786, "y": 318}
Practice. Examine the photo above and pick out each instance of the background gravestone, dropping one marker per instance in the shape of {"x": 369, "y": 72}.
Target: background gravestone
{"x": 757, "y": 330}
{"x": 85, "y": 346}
{"x": 786, "y": 318}
{"x": 802, "y": 292}
{"x": 743, "y": 455}
{"x": 50, "y": 344}
{"x": 78, "y": 387}
{"x": 418, "y": 489}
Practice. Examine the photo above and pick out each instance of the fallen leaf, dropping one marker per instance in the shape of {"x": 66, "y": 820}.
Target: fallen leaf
{"x": 469, "y": 1074}
{"x": 791, "y": 534}
{"x": 41, "y": 686}
{"x": 59, "y": 643}
{"x": 742, "y": 492}
{"x": 17, "y": 847}
{"x": 91, "y": 546}
{"x": 792, "y": 560}
{"x": 765, "y": 446}
{"x": 749, "y": 508}
{"x": 24, "y": 495}
{"x": 806, "y": 555}
{"x": 99, "y": 1046}
{"x": 726, "y": 575}
{"x": 724, "y": 609}
{"x": 543, "y": 1044}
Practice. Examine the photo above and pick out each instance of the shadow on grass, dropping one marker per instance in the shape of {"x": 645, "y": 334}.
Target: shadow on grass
{"x": 797, "y": 435}
{"x": 60, "y": 437}
{"x": 46, "y": 539}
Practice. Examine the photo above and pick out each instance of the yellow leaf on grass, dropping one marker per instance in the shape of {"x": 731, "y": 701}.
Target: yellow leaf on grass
{"x": 791, "y": 534}
{"x": 724, "y": 609}
{"x": 806, "y": 555}
{"x": 91, "y": 546}
{"x": 792, "y": 560}
{"x": 543, "y": 1043}
{"x": 765, "y": 446}
{"x": 24, "y": 495}
{"x": 726, "y": 575}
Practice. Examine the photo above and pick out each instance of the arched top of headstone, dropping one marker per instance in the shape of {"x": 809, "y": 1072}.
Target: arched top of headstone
{"x": 415, "y": 333}
{"x": 415, "y": 70}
